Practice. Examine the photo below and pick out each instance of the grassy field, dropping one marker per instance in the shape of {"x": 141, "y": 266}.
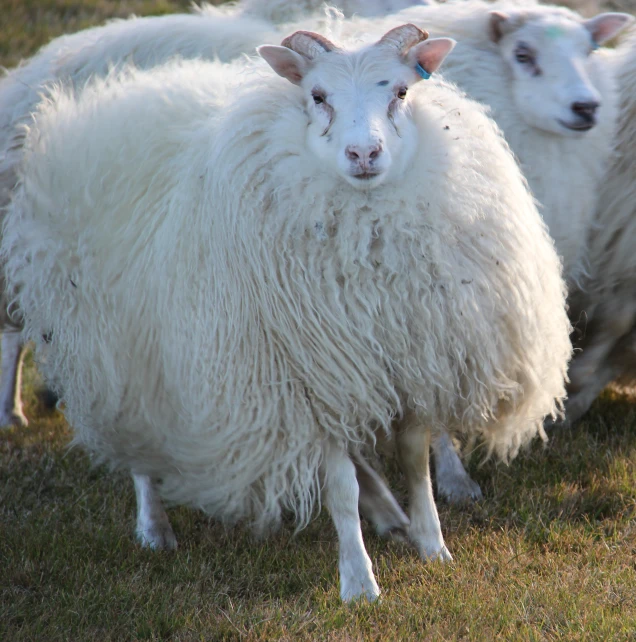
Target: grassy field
{"x": 550, "y": 554}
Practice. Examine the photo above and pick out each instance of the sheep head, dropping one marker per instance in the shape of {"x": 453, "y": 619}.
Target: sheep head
{"x": 357, "y": 103}
{"x": 550, "y": 54}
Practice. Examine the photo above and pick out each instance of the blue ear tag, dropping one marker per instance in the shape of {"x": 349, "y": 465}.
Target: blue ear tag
{"x": 422, "y": 72}
{"x": 595, "y": 45}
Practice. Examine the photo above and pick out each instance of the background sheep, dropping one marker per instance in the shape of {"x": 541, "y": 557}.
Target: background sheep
{"x": 281, "y": 11}
{"x": 604, "y": 310}
{"x": 240, "y": 287}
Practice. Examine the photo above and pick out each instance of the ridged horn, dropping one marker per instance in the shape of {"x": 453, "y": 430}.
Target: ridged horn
{"x": 402, "y": 38}
{"x": 308, "y": 44}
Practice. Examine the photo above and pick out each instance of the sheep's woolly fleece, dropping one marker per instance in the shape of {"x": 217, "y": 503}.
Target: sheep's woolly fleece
{"x": 563, "y": 173}
{"x": 221, "y": 306}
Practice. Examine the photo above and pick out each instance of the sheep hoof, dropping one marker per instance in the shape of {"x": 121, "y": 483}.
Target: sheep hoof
{"x": 13, "y": 418}
{"x": 159, "y": 537}
{"x": 434, "y": 552}
{"x": 459, "y": 490}
{"x": 359, "y": 591}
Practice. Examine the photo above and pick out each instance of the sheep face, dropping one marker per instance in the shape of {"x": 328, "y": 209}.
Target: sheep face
{"x": 360, "y": 124}
{"x": 550, "y": 54}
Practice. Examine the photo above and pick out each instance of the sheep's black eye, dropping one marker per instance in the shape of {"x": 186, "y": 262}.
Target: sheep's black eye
{"x": 524, "y": 56}
{"x": 318, "y": 99}
{"x": 401, "y": 94}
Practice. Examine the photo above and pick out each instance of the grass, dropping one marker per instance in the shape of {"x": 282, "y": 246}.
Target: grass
{"x": 550, "y": 554}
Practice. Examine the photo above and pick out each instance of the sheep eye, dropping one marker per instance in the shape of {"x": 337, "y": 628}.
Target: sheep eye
{"x": 318, "y": 99}
{"x": 523, "y": 56}
{"x": 401, "y": 93}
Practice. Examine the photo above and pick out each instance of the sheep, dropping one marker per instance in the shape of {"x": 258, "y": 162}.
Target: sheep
{"x": 604, "y": 309}
{"x": 244, "y": 278}
{"x": 559, "y": 123}
{"x": 286, "y": 11}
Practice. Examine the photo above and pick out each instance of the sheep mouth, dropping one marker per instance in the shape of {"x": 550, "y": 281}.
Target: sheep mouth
{"x": 366, "y": 176}
{"x": 579, "y": 126}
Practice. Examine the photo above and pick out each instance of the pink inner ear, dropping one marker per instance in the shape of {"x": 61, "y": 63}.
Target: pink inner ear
{"x": 606, "y": 25}
{"x": 284, "y": 62}
{"x": 431, "y": 54}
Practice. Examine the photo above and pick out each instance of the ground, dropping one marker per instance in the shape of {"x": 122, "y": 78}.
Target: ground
{"x": 549, "y": 554}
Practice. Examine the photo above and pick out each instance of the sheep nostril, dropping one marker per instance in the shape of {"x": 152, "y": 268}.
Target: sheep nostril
{"x": 375, "y": 152}
{"x": 352, "y": 154}
{"x": 585, "y": 109}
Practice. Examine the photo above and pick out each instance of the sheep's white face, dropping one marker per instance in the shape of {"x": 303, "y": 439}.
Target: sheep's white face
{"x": 359, "y": 121}
{"x": 359, "y": 117}
{"x": 549, "y": 54}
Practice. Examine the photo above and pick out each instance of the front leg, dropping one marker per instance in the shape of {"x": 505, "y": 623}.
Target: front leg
{"x": 341, "y": 498}
{"x": 413, "y": 442}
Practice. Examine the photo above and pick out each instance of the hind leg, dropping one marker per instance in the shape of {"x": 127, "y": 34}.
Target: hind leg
{"x": 377, "y": 503}
{"x": 11, "y": 380}
{"x": 153, "y": 526}
{"x": 453, "y": 482}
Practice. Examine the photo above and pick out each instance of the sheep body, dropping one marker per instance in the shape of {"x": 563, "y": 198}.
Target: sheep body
{"x": 219, "y": 308}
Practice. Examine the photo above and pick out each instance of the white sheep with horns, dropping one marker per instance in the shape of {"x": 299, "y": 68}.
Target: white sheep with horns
{"x": 604, "y": 310}
{"x": 244, "y": 279}
{"x": 209, "y": 32}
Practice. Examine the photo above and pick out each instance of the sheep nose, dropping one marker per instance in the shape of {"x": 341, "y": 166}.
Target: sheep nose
{"x": 363, "y": 155}
{"x": 586, "y": 110}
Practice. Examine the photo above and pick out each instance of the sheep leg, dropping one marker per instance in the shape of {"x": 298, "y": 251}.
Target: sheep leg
{"x": 377, "y": 503}
{"x": 621, "y": 357}
{"x": 413, "y": 442}
{"x": 341, "y": 499}
{"x": 453, "y": 482}
{"x": 10, "y": 384}
{"x": 153, "y": 526}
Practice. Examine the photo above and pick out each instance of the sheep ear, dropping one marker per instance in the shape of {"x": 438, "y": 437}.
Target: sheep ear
{"x": 501, "y": 24}
{"x": 607, "y": 25}
{"x": 426, "y": 57}
{"x": 284, "y": 62}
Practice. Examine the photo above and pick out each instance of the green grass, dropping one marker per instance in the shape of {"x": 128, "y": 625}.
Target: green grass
{"x": 550, "y": 554}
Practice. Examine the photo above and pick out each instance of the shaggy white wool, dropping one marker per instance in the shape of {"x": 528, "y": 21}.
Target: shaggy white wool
{"x": 563, "y": 173}
{"x": 221, "y": 305}
{"x": 145, "y": 42}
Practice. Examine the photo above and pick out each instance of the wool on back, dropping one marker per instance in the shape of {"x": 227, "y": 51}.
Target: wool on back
{"x": 220, "y": 304}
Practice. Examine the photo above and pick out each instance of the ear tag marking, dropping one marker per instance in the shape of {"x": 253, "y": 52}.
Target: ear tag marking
{"x": 422, "y": 72}
{"x": 553, "y": 32}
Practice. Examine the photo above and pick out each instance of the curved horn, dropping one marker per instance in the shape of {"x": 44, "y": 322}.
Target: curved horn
{"x": 308, "y": 44}
{"x": 404, "y": 37}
